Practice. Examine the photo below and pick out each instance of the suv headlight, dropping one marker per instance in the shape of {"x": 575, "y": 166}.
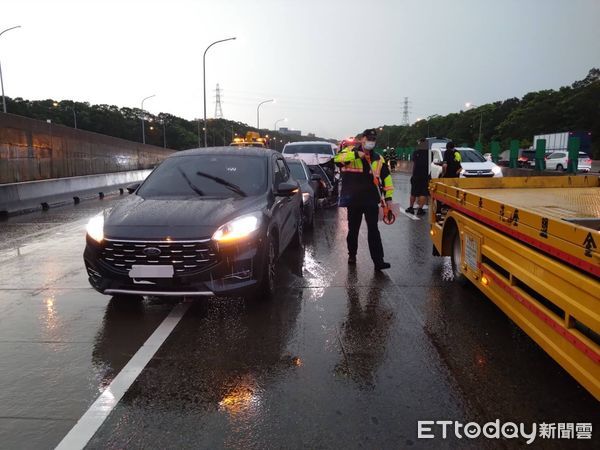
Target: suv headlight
{"x": 496, "y": 170}
{"x": 238, "y": 228}
{"x": 95, "y": 227}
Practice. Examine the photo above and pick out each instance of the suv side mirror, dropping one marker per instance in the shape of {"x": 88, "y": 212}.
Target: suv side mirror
{"x": 133, "y": 187}
{"x": 316, "y": 177}
{"x": 286, "y": 189}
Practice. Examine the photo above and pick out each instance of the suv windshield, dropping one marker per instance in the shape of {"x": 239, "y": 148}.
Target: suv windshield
{"x": 471, "y": 156}
{"x": 308, "y": 148}
{"x": 297, "y": 170}
{"x": 207, "y": 176}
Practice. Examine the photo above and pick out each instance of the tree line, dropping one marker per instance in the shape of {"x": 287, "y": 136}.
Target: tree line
{"x": 570, "y": 108}
{"x": 162, "y": 129}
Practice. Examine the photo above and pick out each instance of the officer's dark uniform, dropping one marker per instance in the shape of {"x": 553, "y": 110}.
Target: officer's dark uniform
{"x": 359, "y": 194}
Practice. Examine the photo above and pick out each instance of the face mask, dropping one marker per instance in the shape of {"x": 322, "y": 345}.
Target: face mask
{"x": 369, "y": 145}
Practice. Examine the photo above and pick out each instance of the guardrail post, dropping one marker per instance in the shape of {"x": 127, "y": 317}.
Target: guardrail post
{"x": 573, "y": 149}
{"x": 495, "y": 150}
{"x": 540, "y": 152}
{"x": 514, "y": 153}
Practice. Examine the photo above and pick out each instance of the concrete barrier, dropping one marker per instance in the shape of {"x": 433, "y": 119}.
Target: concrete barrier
{"x": 32, "y": 150}
{"x": 17, "y": 198}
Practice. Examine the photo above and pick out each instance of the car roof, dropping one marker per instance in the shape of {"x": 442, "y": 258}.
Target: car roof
{"x": 456, "y": 148}
{"x": 240, "y": 151}
{"x": 291, "y": 144}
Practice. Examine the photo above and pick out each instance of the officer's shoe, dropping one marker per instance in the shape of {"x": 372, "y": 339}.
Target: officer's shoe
{"x": 352, "y": 259}
{"x": 410, "y": 210}
{"x": 382, "y": 265}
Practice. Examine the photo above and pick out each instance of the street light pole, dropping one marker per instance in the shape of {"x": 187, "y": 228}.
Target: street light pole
{"x": 258, "y": 112}
{"x": 470, "y": 105}
{"x": 204, "y": 80}
{"x": 143, "y": 131}
{"x": 1, "y": 80}
{"x": 277, "y": 121}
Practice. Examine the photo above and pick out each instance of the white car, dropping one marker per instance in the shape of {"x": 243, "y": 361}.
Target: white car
{"x": 311, "y": 152}
{"x": 560, "y": 161}
{"x": 473, "y": 164}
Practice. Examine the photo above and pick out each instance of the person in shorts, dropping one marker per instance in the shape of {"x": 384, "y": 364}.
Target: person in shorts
{"x": 419, "y": 181}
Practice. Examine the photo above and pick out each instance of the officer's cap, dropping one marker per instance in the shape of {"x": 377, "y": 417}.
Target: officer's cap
{"x": 370, "y": 134}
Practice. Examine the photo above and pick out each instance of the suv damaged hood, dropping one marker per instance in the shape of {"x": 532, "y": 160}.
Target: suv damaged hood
{"x": 137, "y": 218}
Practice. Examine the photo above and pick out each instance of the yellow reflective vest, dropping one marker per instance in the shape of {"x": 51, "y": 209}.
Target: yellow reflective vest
{"x": 357, "y": 177}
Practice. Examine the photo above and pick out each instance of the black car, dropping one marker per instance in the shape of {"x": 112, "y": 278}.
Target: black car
{"x": 205, "y": 222}
{"x": 309, "y": 184}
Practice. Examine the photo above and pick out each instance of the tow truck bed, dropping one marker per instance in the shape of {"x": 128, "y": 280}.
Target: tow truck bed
{"x": 531, "y": 245}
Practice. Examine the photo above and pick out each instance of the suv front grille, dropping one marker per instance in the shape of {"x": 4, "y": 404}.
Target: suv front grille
{"x": 186, "y": 257}
{"x": 479, "y": 173}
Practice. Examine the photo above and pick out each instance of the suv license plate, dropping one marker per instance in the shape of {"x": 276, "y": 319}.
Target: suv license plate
{"x": 151, "y": 271}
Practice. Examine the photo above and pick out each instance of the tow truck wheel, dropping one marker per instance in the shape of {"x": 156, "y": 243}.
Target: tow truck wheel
{"x": 456, "y": 258}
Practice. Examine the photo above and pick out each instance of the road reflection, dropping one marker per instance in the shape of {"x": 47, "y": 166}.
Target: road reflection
{"x": 364, "y": 333}
{"x": 220, "y": 358}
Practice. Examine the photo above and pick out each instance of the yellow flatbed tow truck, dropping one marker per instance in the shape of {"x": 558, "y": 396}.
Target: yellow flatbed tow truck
{"x": 252, "y": 139}
{"x": 532, "y": 246}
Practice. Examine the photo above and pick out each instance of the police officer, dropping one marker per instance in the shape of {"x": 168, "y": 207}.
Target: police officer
{"x": 358, "y": 164}
{"x": 451, "y": 166}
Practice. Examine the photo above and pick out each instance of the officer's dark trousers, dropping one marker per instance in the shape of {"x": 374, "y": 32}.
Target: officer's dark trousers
{"x": 371, "y": 214}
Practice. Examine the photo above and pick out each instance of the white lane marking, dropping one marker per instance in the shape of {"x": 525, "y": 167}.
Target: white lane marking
{"x": 94, "y": 417}
{"x": 410, "y": 216}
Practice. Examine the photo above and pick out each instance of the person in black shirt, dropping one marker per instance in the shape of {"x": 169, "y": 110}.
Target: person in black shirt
{"x": 451, "y": 166}
{"x": 419, "y": 182}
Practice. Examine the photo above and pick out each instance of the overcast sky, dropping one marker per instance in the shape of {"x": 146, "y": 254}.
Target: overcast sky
{"x": 334, "y": 67}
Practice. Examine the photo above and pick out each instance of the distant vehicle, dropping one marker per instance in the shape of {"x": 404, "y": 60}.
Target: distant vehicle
{"x": 560, "y": 161}
{"x": 309, "y": 185}
{"x": 525, "y": 158}
{"x": 320, "y": 154}
{"x": 205, "y": 222}
{"x": 558, "y": 142}
{"x": 312, "y": 152}
{"x": 473, "y": 164}
{"x": 252, "y": 139}
{"x": 435, "y": 142}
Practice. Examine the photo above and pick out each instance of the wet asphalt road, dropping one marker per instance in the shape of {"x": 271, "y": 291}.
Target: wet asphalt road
{"x": 341, "y": 358}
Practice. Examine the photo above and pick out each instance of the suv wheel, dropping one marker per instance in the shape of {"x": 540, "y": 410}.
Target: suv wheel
{"x": 559, "y": 167}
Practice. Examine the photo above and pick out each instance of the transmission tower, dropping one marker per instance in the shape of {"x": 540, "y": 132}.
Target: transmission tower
{"x": 218, "y": 108}
{"x": 405, "y": 120}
